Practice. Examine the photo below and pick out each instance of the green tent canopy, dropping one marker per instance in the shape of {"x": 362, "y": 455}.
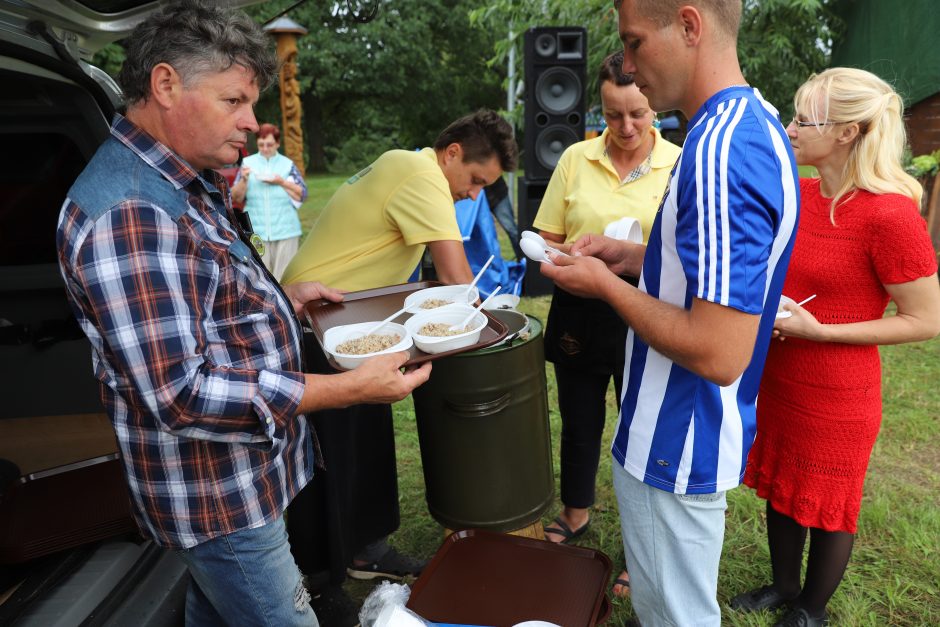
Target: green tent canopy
{"x": 897, "y": 40}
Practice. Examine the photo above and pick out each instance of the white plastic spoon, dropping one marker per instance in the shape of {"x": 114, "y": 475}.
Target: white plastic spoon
{"x": 541, "y": 241}
{"x": 477, "y": 277}
{"x": 806, "y": 300}
{"x": 536, "y": 248}
{"x": 475, "y": 311}
{"x": 373, "y": 328}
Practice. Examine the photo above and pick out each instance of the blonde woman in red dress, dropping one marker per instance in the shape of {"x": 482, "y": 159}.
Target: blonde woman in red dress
{"x": 861, "y": 243}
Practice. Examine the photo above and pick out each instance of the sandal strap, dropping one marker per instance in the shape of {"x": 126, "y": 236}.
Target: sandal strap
{"x": 559, "y": 527}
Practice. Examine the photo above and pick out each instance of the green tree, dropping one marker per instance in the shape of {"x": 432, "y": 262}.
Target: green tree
{"x": 394, "y": 82}
{"x": 780, "y": 44}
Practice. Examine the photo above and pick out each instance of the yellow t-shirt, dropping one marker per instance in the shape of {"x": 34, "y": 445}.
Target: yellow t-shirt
{"x": 585, "y": 193}
{"x": 374, "y": 229}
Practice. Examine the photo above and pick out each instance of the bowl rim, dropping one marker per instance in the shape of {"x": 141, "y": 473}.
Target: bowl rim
{"x": 415, "y": 307}
{"x": 417, "y": 321}
{"x": 404, "y": 344}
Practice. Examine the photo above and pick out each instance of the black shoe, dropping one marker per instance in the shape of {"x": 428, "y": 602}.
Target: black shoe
{"x": 392, "y": 565}
{"x": 763, "y": 598}
{"x": 334, "y": 607}
{"x": 798, "y": 617}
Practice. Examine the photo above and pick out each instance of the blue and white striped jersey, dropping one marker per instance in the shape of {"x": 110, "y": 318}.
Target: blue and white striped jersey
{"x": 724, "y": 234}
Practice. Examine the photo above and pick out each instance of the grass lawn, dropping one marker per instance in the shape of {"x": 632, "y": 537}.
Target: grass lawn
{"x": 894, "y": 575}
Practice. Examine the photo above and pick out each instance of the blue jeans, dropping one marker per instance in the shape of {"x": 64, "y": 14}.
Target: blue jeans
{"x": 246, "y": 578}
{"x": 672, "y": 543}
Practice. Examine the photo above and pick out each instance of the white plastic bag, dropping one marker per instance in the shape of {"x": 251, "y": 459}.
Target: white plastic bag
{"x": 385, "y": 607}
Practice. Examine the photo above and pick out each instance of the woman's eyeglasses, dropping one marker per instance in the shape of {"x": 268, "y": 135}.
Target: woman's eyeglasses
{"x": 803, "y": 124}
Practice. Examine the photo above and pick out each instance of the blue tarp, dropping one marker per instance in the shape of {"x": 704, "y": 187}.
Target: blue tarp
{"x": 480, "y": 241}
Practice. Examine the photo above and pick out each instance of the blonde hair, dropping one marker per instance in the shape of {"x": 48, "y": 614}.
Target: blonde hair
{"x": 848, "y": 95}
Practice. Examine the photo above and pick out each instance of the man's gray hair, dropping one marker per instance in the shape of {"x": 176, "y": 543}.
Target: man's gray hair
{"x": 196, "y": 40}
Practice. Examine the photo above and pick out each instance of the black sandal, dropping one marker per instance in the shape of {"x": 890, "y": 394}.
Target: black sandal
{"x": 560, "y": 528}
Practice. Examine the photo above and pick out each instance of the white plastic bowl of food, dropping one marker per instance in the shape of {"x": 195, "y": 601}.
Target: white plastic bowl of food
{"x": 502, "y": 301}
{"x": 334, "y": 339}
{"x": 445, "y": 316}
{"x": 781, "y": 312}
{"x": 440, "y": 296}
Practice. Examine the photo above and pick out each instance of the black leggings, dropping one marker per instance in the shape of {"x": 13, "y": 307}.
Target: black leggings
{"x": 829, "y": 553}
{"x": 583, "y": 407}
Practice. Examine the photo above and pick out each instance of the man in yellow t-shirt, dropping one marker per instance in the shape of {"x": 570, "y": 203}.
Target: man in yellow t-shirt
{"x": 372, "y": 233}
{"x": 376, "y": 226}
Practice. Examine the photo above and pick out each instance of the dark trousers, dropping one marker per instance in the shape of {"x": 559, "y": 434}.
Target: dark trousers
{"x": 354, "y": 500}
{"x": 583, "y": 407}
{"x": 585, "y": 339}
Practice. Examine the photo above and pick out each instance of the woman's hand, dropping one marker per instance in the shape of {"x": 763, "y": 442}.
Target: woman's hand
{"x": 801, "y": 324}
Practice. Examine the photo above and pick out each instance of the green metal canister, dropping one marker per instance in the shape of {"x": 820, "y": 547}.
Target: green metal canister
{"x": 485, "y": 440}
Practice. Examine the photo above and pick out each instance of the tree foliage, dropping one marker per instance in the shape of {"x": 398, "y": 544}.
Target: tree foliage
{"x": 781, "y": 42}
{"x": 394, "y": 82}
{"x": 397, "y": 80}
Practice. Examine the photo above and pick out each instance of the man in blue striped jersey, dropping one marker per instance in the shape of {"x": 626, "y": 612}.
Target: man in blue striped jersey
{"x": 701, "y": 319}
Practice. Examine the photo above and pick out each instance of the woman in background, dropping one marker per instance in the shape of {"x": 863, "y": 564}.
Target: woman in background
{"x": 622, "y": 173}
{"x": 861, "y": 242}
{"x": 272, "y": 189}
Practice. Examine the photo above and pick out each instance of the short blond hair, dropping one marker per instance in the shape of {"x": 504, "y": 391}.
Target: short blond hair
{"x": 662, "y": 12}
{"x": 849, "y": 95}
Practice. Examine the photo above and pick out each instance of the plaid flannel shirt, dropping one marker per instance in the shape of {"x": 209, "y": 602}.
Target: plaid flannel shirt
{"x": 196, "y": 348}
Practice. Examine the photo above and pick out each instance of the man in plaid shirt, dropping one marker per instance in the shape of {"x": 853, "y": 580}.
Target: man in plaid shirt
{"x": 197, "y": 348}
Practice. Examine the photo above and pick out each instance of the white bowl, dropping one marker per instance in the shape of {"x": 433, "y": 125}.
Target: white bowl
{"x": 781, "y": 312}
{"x": 337, "y": 335}
{"x": 452, "y": 314}
{"x": 502, "y": 301}
{"x": 457, "y": 294}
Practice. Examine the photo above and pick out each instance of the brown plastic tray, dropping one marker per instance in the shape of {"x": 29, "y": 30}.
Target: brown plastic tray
{"x": 376, "y": 304}
{"x": 485, "y": 578}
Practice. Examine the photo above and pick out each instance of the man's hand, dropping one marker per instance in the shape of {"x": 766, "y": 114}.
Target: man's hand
{"x": 621, "y": 256}
{"x": 302, "y": 293}
{"x": 377, "y": 380}
{"x": 587, "y": 277}
{"x": 381, "y": 380}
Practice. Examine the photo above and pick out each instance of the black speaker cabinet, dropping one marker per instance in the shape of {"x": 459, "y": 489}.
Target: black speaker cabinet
{"x": 530, "y": 197}
{"x": 555, "y": 61}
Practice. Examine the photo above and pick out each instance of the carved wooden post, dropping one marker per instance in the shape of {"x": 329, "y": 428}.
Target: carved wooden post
{"x": 286, "y": 32}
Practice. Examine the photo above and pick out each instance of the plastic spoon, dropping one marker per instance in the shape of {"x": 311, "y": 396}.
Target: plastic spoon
{"x": 373, "y": 328}
{"x": 806, "y": 300}
{"x": 538, "y": 239}
{"x": 477, "y": 277}
{"x": 475, "y": 311}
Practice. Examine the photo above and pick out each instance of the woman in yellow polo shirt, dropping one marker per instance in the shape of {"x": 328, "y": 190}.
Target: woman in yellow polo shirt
{"x": 622, "y": 173}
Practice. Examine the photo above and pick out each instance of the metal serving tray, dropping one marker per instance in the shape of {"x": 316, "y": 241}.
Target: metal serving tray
{"x": 376, "y": 304}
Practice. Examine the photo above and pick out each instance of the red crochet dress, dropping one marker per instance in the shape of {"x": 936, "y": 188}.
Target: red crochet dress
{"x": 819, "y": 407}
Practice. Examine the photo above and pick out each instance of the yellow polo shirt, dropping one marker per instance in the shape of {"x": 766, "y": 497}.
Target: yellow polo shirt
{"x": 585, "y": 193}
{"x": 374, "y": 229}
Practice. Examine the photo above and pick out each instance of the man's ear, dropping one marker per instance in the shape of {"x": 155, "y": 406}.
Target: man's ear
{"x": 165, "y": 84}
{"x": 689, "y": 20}
{"x": 453, "y": 152}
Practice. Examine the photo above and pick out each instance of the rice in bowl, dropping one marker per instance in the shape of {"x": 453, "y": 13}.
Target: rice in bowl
{"x": 367, "y": 344}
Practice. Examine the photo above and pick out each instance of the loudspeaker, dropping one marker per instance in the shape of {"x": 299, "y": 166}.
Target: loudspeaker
{"x": 555, "y": 61}
{"x": 530, "y": 195}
